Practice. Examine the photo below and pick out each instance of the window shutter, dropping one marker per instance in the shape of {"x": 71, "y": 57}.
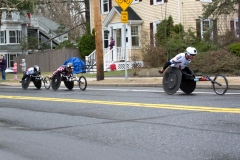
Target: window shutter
{"x": 110, "y": 5}
{"x": 198, "y": 30}
{"x": 215, "y": 33}
{"x": 232, "y": 25}
{"x": 151, "y": 34}
{"x": 151, "y": 2}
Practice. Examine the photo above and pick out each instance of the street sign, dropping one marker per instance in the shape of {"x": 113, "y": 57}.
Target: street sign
{"x": 124, "y": 3}
{"x": 124, "y": 16}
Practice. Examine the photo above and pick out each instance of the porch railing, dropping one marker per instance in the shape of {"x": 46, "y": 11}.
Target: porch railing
{"x": 109, "y": 56}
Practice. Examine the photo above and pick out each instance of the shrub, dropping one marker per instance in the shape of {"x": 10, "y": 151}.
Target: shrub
{"x": 154, "y": 56}
{"x": 213, "y": 62}
{"x": 86, "y": 44}
{"x": 235, "y": 48}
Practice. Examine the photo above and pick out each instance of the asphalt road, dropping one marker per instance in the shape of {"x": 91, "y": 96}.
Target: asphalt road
{"x": 116, "y": 123}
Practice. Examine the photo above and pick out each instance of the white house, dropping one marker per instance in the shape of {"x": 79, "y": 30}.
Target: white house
{"x": 16, "y": 27}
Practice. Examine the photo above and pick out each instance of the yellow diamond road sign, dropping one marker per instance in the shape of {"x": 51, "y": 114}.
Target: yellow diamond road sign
{"x": 124, "y": 3}
{"x": 124, "y": 15}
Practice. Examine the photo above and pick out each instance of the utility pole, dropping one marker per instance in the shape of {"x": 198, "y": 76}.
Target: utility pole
{"x": 98, "y": 40}
{"x": 238, "y": 31}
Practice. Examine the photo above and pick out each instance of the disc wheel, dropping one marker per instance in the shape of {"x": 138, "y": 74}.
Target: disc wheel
{"x": 172, "y": 80}
{"x": 37, "y": 83}
{"x": 220, "y": 84}
{"x": 188, "y": 85}
{"x": 69, "y": 84}
{"x": 46, "y": 82}
{"x": 26, "y": 82}
{"x": 82, "y": 83}
{"x": 56, "y": 82}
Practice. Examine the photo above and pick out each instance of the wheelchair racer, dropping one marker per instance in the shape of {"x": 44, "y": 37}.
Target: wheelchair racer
{"x": 65, "y": 70}
{"x": 181, "y": 60}
{"x": 35, "y": 70}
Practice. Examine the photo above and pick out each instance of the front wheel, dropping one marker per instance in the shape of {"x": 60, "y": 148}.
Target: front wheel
{"x": 220, "y": 84}
{"x": 46, "y": 82}
{"x": 82, "y": 83}
{"x": 26, "y": 82}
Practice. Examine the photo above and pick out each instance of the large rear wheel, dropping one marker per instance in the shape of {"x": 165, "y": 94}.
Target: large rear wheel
{"x": 26, "y": 82}
{"x": 188, "y": 85}
{"x": 56, "y": 82}
{"x": 82, "y": 83}
{"x": 171, "y": 80}
{"x": 220, "y": 84}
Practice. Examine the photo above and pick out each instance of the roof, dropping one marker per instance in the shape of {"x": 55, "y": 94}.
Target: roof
{"x": 47, "y": 22}
{"x": 132, "y": 15}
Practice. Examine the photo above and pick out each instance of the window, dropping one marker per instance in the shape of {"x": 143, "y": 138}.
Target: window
{"x": 118, "y": 38}
{"x": 135, "y": 1}
{"x": 15, "y": 36}
{"x": 155, "y": 27}
{"x": 105, "y": 6}
{"x": 236, "y": 27}
{"x": 135, "y": 36}
{"x": 8, "y": 15}
{"x": 156, "y": 2}
{"x": 105, "y": 38}
{"x": 11, "y": 61}
{"x": 205, "y": 26}
{"x": 205, "y": 0}
{"x": 3, "y": 37}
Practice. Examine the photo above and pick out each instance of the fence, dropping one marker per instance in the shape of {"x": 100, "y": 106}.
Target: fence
{"x": 48, "y": 61}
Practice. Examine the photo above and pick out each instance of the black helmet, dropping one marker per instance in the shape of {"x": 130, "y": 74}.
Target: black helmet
{"x": 36, "y": 68}
{"x": 69, "y": 66}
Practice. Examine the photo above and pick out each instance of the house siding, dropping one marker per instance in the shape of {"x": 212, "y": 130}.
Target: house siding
{"x": 185, "y": 12}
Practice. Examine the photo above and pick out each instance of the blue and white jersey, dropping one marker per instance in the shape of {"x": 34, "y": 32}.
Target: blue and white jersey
{"x": 30, "y": 71}
{"x": 180, "y": 60}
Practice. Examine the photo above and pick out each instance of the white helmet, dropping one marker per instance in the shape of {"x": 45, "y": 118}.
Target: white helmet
{"x": 191, "y": 51}
{"x": 36, "y": 68}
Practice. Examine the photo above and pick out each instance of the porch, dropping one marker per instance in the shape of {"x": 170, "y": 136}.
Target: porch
{"x": 115, "y": 56}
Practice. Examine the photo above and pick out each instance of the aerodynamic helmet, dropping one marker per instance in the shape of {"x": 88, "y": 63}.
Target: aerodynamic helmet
{"x": 191, "y": 51}
{"x": 69, "y": 66}
{"x": 36, "y": 68}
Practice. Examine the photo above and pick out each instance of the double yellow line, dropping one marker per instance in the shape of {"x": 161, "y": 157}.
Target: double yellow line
{"x": 145, "y": 105}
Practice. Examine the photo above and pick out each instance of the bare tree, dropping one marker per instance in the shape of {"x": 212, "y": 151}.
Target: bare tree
{"x": 69, "y": 14}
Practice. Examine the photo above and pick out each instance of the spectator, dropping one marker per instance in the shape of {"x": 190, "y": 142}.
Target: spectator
{"x": 112, "y": 43}
{"x": 15, "y": 71}
{"x": 3, "y": 67}
{"x": 24, "y": 65}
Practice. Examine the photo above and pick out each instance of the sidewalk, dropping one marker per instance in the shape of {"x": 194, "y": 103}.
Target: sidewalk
{"x": 233, "y": 82}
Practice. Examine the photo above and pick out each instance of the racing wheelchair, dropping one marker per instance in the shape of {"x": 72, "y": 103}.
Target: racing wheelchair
{"x": 37, "y": 81}
{"x": 185, "y": 79}
{"x": 68, "y": 81}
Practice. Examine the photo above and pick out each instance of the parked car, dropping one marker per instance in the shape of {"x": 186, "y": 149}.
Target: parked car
{"x": 9, "y": 70}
